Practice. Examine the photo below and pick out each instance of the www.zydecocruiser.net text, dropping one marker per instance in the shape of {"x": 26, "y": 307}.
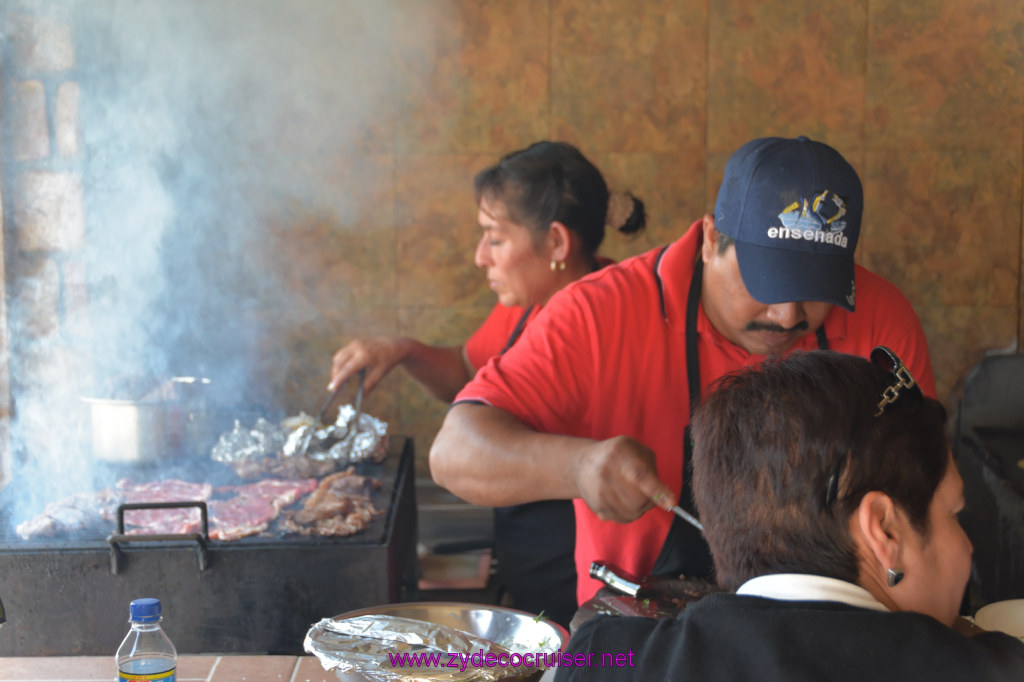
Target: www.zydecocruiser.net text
{"x": 480, "y": 659}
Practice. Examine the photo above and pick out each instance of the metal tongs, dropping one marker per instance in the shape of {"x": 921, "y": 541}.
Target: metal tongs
{"x": 351, "y": 428}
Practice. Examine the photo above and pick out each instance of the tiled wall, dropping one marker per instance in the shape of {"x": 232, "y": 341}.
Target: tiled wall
{"x": 926, "y": 99}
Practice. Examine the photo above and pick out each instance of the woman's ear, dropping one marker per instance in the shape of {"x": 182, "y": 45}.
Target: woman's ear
{"x": 559, "y": 241}
{"x": 881, "y": 529}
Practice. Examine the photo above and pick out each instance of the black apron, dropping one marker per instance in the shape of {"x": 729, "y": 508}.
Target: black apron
{"x": 685, "y": 551}
{"x": 535, "y": 545}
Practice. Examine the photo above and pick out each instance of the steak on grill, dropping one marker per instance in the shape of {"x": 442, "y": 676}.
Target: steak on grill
{"x": 254, "y": 506}
{"x": 68, "y": 515}
{"x": 340, "y": 506}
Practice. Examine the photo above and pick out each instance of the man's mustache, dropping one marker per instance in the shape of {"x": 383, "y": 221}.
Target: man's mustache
{"x": 756, "y": 326}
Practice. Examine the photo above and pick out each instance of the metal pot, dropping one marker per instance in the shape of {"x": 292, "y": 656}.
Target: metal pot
{"x": 171, "y": 421}
{"x": 134, "y": 431}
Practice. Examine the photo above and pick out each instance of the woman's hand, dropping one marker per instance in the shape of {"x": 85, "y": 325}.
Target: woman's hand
{"x": 378, "y": 355}
{"x": 440, "y": 370}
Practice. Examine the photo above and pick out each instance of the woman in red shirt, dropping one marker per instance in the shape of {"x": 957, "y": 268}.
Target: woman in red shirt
{"x": 542, "y": 212}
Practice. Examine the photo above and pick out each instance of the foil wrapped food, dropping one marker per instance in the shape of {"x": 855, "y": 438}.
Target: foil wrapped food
{"x": 364, "y": 647}
{"x": 342, "y": 441}
{"x": 269, "y": 448}
{"x": 263, "y": 439}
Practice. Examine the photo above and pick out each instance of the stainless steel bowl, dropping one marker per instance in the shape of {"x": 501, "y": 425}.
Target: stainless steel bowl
{"x": 514, "y": 630}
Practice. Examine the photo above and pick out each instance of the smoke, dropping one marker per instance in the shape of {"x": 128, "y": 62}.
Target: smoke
{"x": 204, "y": 123}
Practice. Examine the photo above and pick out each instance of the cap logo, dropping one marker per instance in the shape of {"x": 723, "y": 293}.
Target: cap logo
{"x": 817, "y": 220}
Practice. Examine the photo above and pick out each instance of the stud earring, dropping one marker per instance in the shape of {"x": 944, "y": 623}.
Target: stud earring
{"x": 894, "y": 576}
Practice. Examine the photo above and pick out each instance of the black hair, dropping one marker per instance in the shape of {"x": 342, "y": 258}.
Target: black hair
{"x": 553, "y": 181}
{"x": 766, "y": 442}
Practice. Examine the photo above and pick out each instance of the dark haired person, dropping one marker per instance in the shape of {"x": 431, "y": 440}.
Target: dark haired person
{"x": 829, "y": 498}
{"x": 542, "y": 211}
{"x": 592, "y": 402}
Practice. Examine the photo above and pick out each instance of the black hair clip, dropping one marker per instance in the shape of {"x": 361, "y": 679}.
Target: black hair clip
{"x": 905, "y": 384}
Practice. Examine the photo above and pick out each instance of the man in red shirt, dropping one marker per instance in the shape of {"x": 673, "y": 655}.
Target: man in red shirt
{"x": 593, "y": 402}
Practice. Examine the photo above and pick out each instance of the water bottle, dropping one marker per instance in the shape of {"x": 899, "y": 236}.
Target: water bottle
{"x": 146, "y": 652}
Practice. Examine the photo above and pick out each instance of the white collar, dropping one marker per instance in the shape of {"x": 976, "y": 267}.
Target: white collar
{"x": 804, "y": 587}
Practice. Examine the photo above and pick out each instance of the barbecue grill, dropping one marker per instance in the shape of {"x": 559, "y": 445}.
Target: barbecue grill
{"x": 259, "y": 594}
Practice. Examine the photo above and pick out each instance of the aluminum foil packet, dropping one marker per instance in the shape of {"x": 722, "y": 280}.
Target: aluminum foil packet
{"x": 339, "y": 444}
{"x": 341, "y": 441}
{"x": 364, "y": 646}
{"x": 264, "y": 439}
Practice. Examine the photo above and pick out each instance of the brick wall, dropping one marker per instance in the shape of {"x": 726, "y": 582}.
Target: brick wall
{"x": 43, "y": 213}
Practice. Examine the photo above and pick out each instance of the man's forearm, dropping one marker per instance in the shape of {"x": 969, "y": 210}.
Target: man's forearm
{"x": 488, "y": 457}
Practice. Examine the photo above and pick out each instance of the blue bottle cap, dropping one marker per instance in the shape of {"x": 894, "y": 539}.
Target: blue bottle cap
{"x": 145, "y": 610}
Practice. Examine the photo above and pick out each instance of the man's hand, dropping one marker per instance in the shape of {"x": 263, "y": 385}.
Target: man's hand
{"x": 618, "y": 480}
{"x": 488, "y": 457}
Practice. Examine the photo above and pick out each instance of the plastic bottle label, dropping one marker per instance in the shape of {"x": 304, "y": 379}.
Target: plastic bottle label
{"x": 168, "y": 676}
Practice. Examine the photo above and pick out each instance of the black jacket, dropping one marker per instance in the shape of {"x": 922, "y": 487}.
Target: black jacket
{"x": 742, "y": 638}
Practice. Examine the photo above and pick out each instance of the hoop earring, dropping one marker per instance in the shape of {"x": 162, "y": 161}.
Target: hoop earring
{"x": 560, "y": 265}
{"x": 894, "y": 576}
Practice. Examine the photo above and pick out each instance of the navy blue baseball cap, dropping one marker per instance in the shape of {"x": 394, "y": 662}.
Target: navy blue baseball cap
{"x": 793, "y": 209}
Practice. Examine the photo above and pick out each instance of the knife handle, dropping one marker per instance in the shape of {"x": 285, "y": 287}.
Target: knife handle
{"x": 619, "y": 579}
